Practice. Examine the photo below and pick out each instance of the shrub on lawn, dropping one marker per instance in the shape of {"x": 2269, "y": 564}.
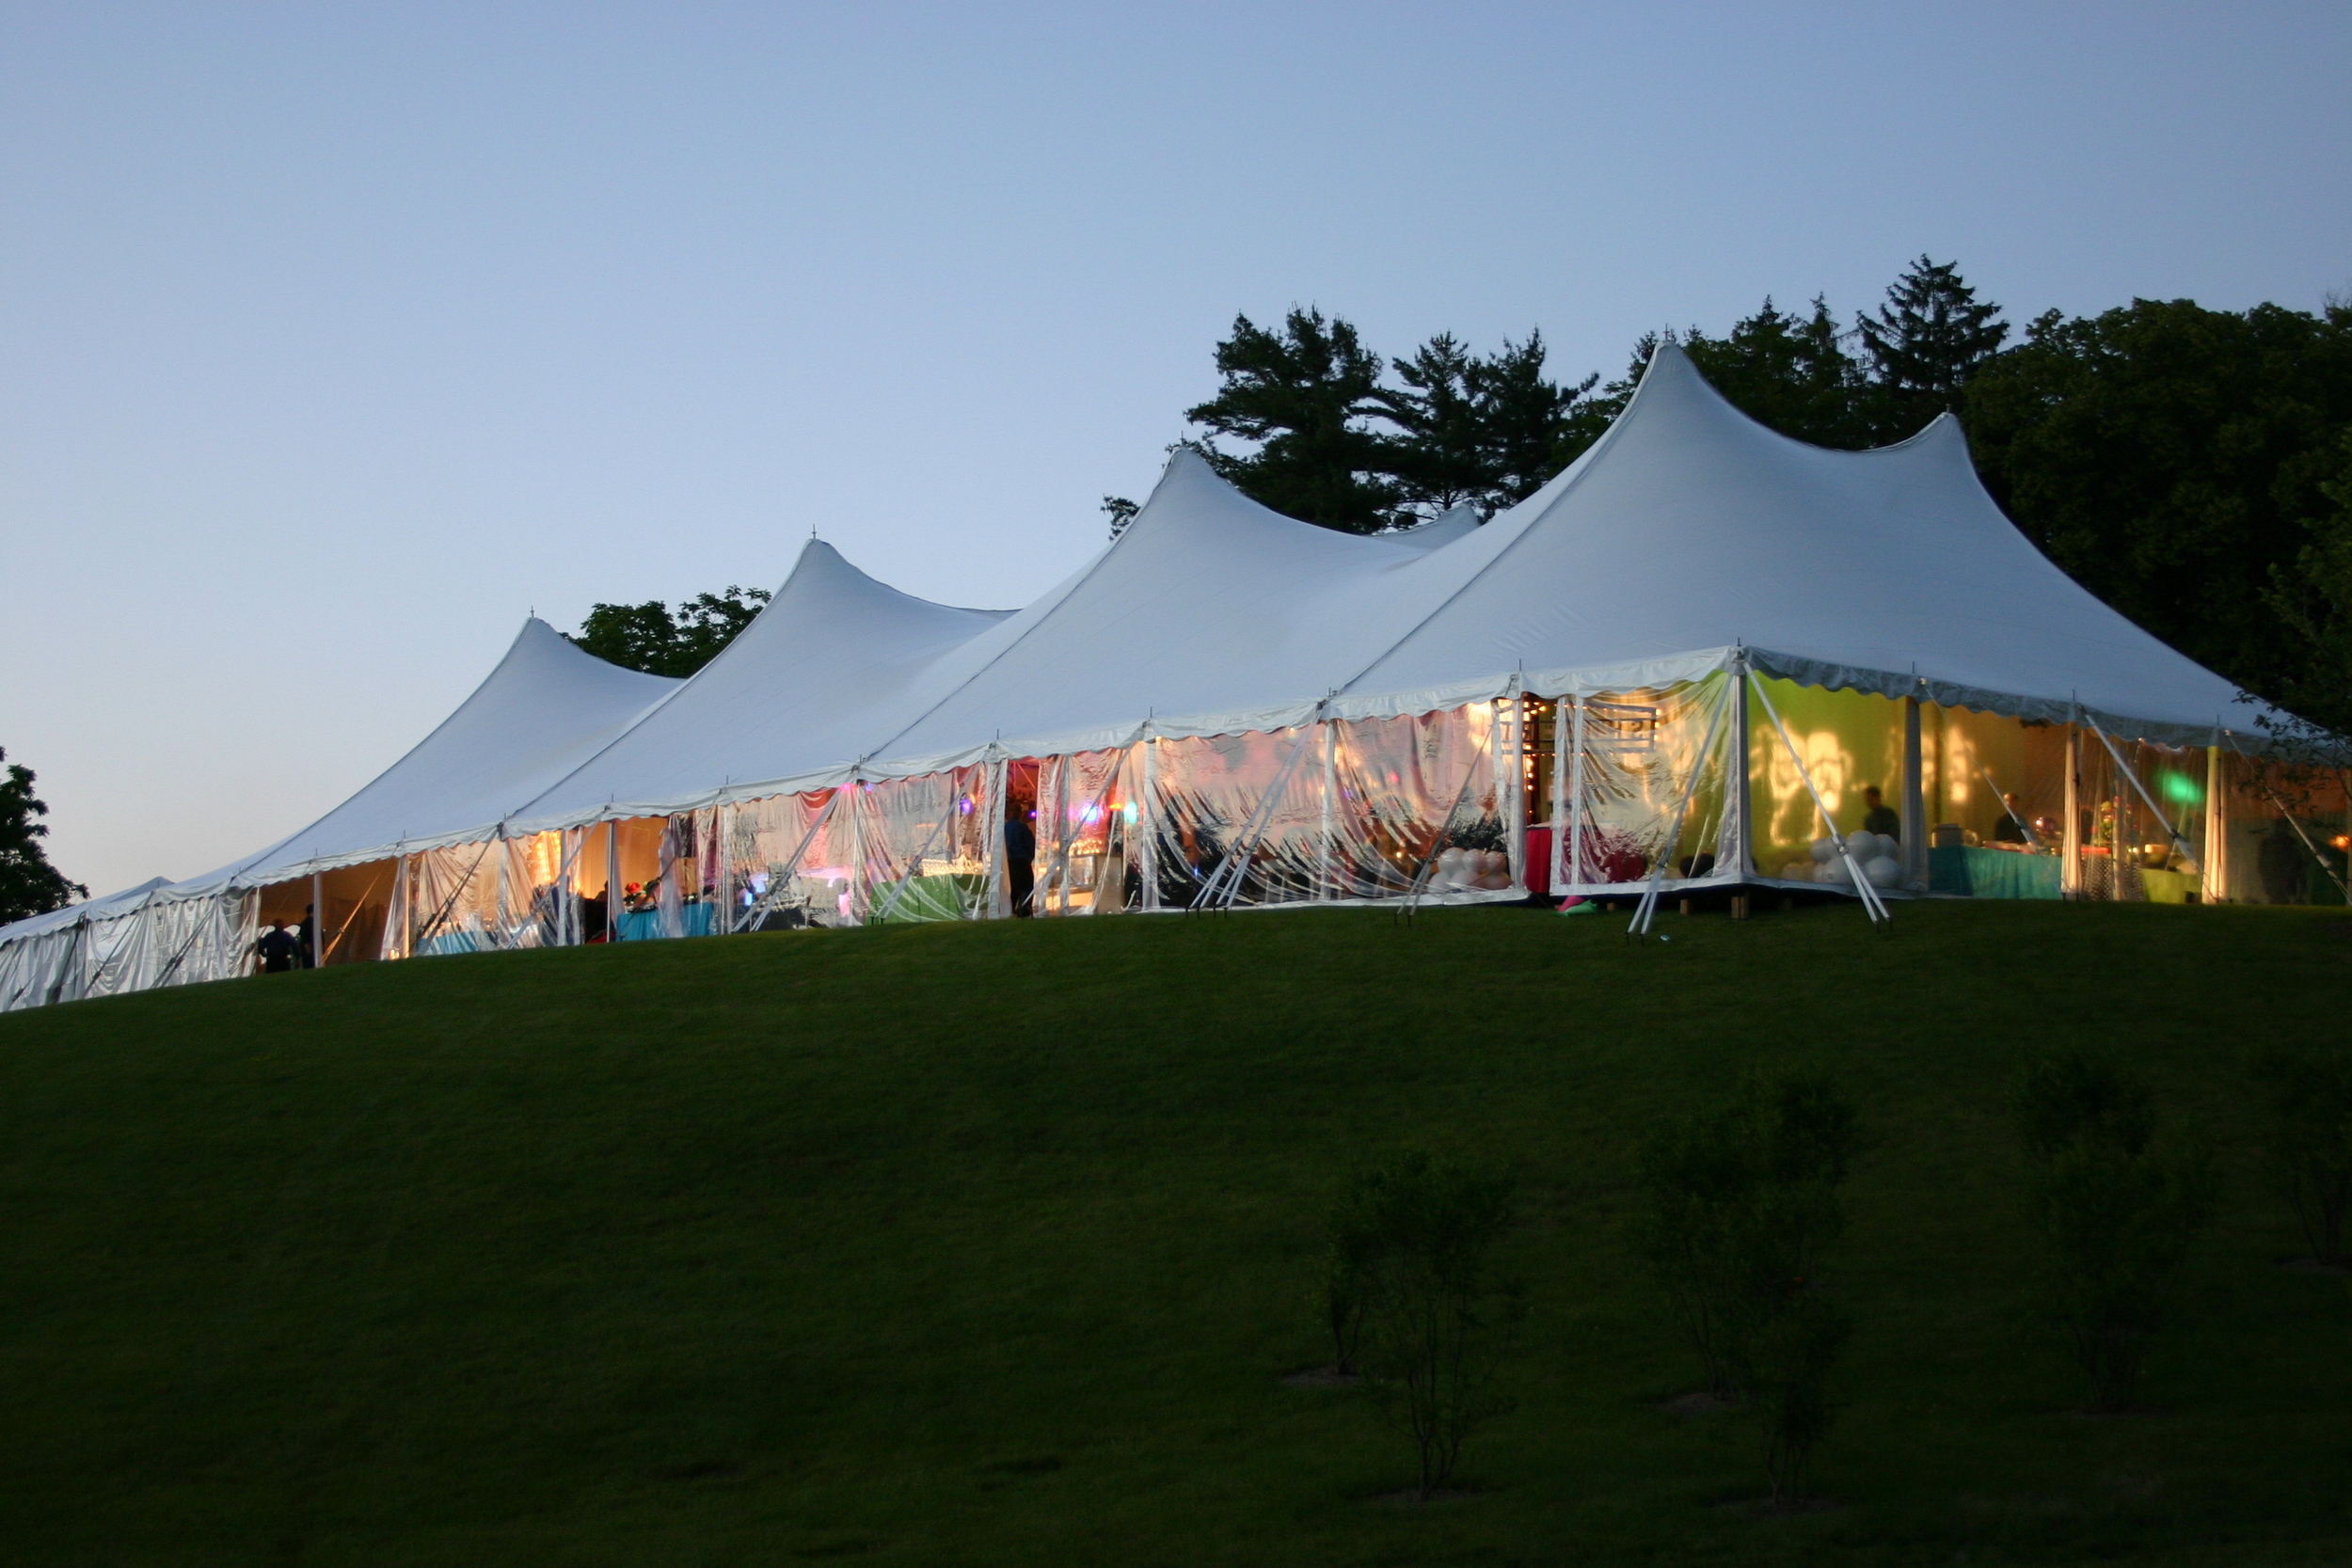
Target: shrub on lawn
{"x": 1795, "y": 1353}
{"x": 1435, "y": 1319}
{"x": 2116, "y": 1211}
{"x": 1740, "y": 1202}
{"x": 1351, "y": 1248}
{"x": 2309, "y": 1153}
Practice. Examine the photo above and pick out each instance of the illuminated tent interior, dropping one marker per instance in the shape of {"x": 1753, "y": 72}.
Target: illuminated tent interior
{"x": 1675, "y": 668}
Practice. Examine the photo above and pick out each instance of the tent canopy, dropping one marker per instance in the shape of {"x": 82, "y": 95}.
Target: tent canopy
{"x": 1686, "y": 532}
{"x": 547, "y": 707}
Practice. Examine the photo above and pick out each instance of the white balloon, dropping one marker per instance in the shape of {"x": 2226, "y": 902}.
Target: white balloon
{"x": 1885, "y": 871}
{"x": 1824, "y": 850}
{"x": 1832, "y": 871}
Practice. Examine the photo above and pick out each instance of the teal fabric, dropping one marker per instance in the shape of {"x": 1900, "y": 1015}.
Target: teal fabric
{"x": 645, "y": 925}
{"x": 1993, "y": 873}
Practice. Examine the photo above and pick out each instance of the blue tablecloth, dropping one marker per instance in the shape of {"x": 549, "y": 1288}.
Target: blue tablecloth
{"x": 645, "y": 925}
{"x": 1993, "y": 873}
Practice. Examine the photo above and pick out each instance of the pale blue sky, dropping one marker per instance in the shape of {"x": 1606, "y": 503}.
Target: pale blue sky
{"x": 334, "y": 339}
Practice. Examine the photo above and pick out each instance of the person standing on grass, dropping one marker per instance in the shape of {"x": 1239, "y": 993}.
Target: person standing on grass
{"x": 1020, "y": 854}
{"x": 277, "y": 951}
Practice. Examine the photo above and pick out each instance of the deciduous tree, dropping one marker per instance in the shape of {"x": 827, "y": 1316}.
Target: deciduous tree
{"x": 660, "y": 640}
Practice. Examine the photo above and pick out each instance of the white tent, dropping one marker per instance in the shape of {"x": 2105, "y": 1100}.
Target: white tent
{"x": 1296, "y": 714}
{"x": 542, "y": 710}
{"x": 795, "y": 697}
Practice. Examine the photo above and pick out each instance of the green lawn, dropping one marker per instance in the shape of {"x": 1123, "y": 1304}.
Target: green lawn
{"x": 992, "y": 1243}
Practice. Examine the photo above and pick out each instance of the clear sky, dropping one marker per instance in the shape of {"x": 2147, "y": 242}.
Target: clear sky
{"x": 334, "y": 340}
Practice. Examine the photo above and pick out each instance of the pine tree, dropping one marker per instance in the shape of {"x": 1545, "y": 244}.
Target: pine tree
{"x": 1307, "y": 397}
{"x": 1790, "y": 372}
{"x": 1924, "y": 344}
{"x": 1533, "y": 426}
{"x": 29, "y": 885}
{"x": 1440, "y": 460}
{"x": 1487, "y": 430}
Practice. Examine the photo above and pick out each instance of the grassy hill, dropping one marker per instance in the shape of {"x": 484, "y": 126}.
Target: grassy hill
{"x": 992, "y": 1244}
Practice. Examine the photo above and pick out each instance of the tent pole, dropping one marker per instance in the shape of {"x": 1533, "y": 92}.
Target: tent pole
{"x": 612, "y": 880}
{"x": 994, "y": 826}
{"x": 2071, "y": 834}
{"x": 1742, "y": 746}
{"x": 2216, "y": 827}
{"x": 1330, "y": 773}
{"x": 722, "y": 899}
{"x": 1516, "y": 783}
{"x": 1914, "y": 801}
{"x": 318, "y": 920}
{"x": 1576, "y": 808}
{"x": 858, "y": 905}
{"x": 1148, "y": 821}
{"x": 1557, "y": 785}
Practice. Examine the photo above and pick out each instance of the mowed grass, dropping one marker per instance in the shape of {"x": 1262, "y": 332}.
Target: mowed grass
{"x": 991, "y": 1245}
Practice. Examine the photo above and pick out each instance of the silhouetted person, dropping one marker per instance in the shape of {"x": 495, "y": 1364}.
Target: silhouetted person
{"x": 1878, "y": 816}
{"x": 277, "y": 950}
{"x": 306, "y": 933}
{"x": 1019, "y": 856}
{"x": 2280, "y": 864}
{"x": 2011, "y": 829}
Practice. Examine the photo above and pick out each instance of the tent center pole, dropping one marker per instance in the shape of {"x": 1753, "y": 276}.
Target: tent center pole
{"x": 318, "y": 920}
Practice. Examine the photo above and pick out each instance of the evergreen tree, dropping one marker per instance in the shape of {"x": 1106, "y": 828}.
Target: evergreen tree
{"x": 29, "y": 885}
{"x": 1441, "y": 459}
{"x": 1532, "y": 427}
{"x": 1788, "y": 371}
{"x": 1923, "y": 345}
{"x": 1486, "y": 430}
{"x": 661, "y": 642}
{"x": 1306, "y": 396}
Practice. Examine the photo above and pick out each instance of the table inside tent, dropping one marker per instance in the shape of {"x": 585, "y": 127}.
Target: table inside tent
{"x": 645, "y": 925}
{"x": 1978, "y": 873}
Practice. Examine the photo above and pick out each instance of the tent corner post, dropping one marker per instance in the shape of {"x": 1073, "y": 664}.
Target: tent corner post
{"x": 2217, "y": 866}
{"x": 1914, "y": 827}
